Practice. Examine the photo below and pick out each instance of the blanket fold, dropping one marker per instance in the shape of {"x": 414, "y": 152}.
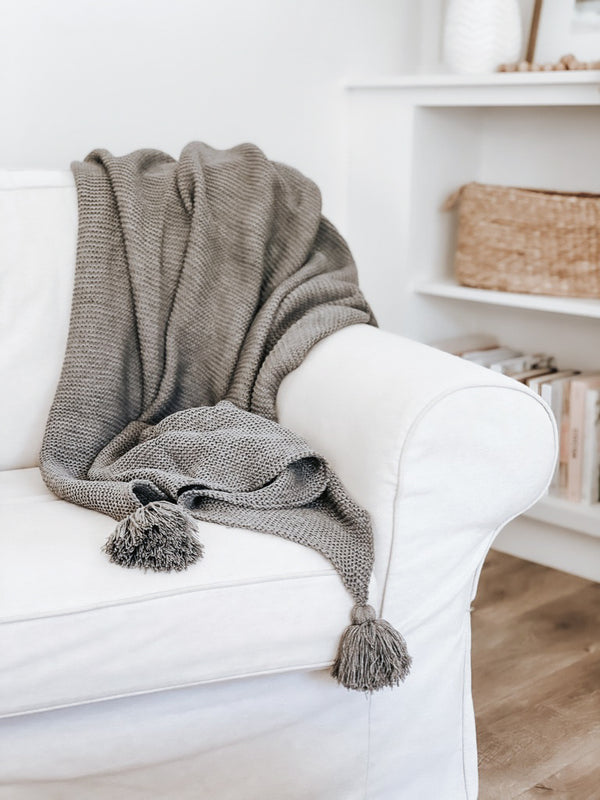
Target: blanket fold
{"x": 200, "y": 283}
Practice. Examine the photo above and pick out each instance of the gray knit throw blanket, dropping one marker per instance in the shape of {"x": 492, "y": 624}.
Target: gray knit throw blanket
{"x": 199, "y": 285}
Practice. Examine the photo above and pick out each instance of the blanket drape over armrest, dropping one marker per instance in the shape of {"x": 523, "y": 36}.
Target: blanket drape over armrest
{"x": 199, "y": 285}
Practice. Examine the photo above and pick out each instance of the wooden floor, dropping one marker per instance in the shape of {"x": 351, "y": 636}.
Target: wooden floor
{"x": 536, "y": 682}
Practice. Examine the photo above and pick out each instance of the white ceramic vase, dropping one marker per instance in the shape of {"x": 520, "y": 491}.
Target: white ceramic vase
{"x": 479, "y": 35}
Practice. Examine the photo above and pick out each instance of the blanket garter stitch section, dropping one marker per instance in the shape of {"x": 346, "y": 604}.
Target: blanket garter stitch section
{"x": 200, "y": 283}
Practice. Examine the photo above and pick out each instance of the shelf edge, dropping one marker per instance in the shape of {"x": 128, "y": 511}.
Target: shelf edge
{"x": 571, "y": 306}
{"x": 488, "y": 80}
{"x": 577, "y": 517}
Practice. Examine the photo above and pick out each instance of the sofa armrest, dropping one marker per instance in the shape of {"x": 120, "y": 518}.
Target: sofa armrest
{"x": 440, "y": 451}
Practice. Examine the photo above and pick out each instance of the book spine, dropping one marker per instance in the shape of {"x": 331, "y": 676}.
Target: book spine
{"x": 575, "y": 441}
{"x": 590, "y": 478}
{"x": 552, "y": 393}
{"x": 563, "y": 475}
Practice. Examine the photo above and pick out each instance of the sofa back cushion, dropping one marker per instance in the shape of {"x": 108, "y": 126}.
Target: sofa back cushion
{"x": 38, "y": 236}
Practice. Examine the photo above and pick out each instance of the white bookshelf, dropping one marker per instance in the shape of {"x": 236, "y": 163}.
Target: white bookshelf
{"x": 576, "y": 516}
{"x": 571, "y": 306}
{"x": 450, "y": 80}
{"x": 413, "y": 140}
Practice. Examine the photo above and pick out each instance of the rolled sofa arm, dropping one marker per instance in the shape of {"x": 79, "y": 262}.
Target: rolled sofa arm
{"x": 441, "y": 452}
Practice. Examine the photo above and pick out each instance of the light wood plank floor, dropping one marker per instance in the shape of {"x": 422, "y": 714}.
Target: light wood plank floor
{"x": 536, "y": 682}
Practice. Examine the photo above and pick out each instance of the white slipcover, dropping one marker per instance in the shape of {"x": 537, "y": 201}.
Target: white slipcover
{"x": 213, "y": 682}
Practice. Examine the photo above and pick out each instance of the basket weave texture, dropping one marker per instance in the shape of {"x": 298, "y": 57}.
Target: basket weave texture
{"x": 528, "y": 240}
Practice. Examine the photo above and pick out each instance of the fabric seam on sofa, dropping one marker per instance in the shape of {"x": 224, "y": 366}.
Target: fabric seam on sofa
{"x": 172, "y": 593}
{"x": 171, "y": 687}
{"x": 408, "y": 436}
{"x": 397, "y": 499}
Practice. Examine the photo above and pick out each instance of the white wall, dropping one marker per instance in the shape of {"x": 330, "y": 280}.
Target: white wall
{"x": 123, "y": 74}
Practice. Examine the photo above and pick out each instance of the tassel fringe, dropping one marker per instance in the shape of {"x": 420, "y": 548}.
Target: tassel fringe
{"x": 159, "y": 536}
{"x": 372, "y": 655}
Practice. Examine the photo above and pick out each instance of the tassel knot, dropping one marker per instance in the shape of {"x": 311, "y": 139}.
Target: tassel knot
{"x": 372, "y": 654}
{"x": 360, "y": 614}
{"x": 159, "y": 536}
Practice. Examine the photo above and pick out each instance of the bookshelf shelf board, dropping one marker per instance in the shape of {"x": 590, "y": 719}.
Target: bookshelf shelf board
{"x": 576, "y": 516}
{"x": 451, "y": 80}
{"x": 572, "y": 306}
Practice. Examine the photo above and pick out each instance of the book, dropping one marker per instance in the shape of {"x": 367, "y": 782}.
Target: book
{"x": 536, "y": 383}
{"x": 457, "y": 345}
{"x": 486, "y": 357}
{"x": 578, "y": 390}
{"x": 590, "y": 473}
{"x": 556, "y": 393}
{"x": 530, "y": 374}
{"x": 522, "y": 363}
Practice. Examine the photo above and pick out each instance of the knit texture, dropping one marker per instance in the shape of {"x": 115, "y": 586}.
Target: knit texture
{"x": 200, "y": 284}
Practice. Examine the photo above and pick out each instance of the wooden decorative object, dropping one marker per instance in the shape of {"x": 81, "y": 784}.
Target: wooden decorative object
{"x": 528, "y": 240}
{"x": 566, "y": 62}
{"x": 533, "y": 31}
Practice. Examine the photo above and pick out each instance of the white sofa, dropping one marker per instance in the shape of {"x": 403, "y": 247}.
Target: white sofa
{"x": 213, "y": 683}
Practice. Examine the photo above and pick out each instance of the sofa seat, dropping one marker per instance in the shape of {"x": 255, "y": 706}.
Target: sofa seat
{"x": 76, "y": 628}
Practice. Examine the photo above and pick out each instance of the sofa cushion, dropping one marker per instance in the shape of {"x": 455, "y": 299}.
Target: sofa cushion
{"x": 38, "y": 234}
{"x": 75, "y": 628}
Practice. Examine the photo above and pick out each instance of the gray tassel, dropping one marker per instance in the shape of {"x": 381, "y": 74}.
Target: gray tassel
{"x": 372, "y": 654}
{"x": 160, "y": 536}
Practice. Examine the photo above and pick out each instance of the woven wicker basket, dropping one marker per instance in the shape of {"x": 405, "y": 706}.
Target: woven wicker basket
{"x": 528, "y": 240}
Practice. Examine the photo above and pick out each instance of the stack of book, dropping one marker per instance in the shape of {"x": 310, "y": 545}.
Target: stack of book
{"x": 573, "y": 396}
